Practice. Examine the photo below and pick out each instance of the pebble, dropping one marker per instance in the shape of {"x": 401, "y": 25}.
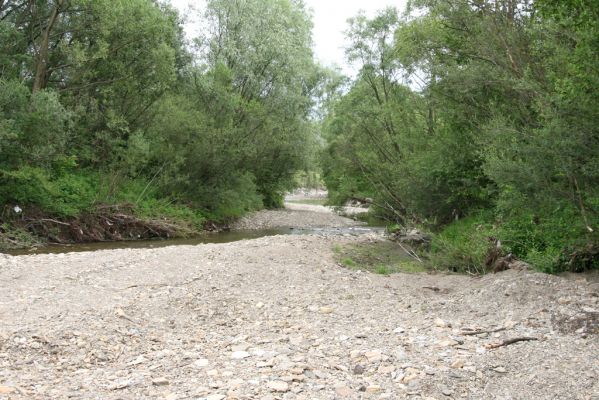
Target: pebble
{"x": 161, "y": 381}
{"x": 447, "y": 343}
{"x": 440, "y": 323}
{"x": 216, "y": 397}
{"x": 7, "y": 390}
{"x": 236, "y": 383}
{"x": 239, "y": 355}
{"x": 344, "y": 391}
{"x": 373, "y": 389}
{"x": 238, "y": 348}
{"x": 374, "y": 356}
{"x": 409, "y": 378}
{"x": 201, "y": 363}
{"x": 278, "y": 386}
{"x": 355, "y": 354}
{"x": 386, "y": 370}
{"x": 118, "y": 385}
{"x": 326, "y": 310}
{"x": 358, "y": 369}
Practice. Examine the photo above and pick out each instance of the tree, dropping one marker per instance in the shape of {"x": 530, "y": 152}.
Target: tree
{"x": 258, "y": 86}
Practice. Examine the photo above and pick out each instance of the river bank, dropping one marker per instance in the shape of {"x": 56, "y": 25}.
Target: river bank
{"x": 35, "y": 230}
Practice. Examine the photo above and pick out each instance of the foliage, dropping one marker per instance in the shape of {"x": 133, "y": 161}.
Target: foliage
{"x": 463, "y": 245}
{"x": 465, "y": 106}
{"x": 102, "y": 104}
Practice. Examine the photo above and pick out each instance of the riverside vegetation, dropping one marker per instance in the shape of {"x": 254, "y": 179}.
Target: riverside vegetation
{"x": 111, "y": 128}
{"x": 474, "y": 120}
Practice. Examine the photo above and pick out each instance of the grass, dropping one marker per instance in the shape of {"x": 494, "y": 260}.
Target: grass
{"x": 383, "y": 258}
{"x": 348, "y": 262}
{"x": 462, "y": 245}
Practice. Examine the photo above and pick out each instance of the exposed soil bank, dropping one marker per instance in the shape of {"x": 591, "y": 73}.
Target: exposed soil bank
{"x": 106, "y": 224}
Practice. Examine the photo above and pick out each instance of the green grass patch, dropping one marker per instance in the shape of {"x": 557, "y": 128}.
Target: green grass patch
{"x": 382, "y": 270}
{"x": 348, "y": 262}
{"x": 383, "y": 257}
{"x": 462, "y": 245}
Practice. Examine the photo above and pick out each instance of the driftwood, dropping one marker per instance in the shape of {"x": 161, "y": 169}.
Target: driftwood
{"x": 480, "y": 332}
{"x": 106, "y": 223}
{"x": 54, "y": 221}
{"x": 507, "y": 342}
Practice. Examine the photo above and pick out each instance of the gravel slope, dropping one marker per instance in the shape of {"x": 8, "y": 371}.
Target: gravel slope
{"x": 276, "y": 318}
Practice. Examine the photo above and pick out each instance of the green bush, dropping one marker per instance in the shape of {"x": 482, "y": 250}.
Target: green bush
{"x": 547, "y": 238}
{"x": 64, "y": 195}
{"x": 163, "y": 209}
{"x": 555, "y": 243}
{"x": 462, "y": 245}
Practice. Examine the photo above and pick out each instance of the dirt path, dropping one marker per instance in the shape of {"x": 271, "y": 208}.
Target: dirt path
{"x": 277, "y": 318}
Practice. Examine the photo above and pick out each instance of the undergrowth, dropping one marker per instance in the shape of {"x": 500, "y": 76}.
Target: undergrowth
{"x": 384, "y": 258}
{"x": 553, "y": 244}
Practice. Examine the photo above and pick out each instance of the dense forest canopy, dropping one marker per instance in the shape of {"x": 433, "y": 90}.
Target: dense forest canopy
{"x": 474, "y": 119}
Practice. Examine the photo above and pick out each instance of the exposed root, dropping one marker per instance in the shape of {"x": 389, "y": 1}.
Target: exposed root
{"x": 107, "y": 223}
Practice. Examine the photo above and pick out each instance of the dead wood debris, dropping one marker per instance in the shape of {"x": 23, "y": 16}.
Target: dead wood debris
{"x": 507, "y": 342}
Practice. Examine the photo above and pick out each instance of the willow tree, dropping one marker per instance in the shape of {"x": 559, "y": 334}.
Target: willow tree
{"x": 255, "y": 82}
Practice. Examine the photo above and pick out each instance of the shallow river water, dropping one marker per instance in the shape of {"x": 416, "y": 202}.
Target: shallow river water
{"x": 215, "y": 237}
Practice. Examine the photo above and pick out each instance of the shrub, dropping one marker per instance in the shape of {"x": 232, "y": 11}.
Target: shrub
{"x": 462, "y": 245}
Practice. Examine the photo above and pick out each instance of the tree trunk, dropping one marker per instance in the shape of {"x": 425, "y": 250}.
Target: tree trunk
{"x": 41, "y": 58}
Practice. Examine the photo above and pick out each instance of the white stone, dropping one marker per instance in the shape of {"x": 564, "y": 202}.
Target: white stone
{"x": 239, "y": 355}
{"x": 278, "y": 386}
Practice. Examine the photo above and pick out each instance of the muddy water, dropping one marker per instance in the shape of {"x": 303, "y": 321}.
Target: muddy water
{"x": 218, "y": 237}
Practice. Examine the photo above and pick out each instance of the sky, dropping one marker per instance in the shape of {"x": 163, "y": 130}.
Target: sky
{"x": 330, "y": 21}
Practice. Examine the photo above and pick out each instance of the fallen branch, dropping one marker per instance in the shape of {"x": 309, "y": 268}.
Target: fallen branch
{"x": 55, "y": 221}
{"x": 507, "y": 342}
{"x": 411, "y": 253}
{"x": 480, "y": 332}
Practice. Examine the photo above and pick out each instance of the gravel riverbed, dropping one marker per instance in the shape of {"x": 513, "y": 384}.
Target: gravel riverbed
{"x": 277, "y": 318}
